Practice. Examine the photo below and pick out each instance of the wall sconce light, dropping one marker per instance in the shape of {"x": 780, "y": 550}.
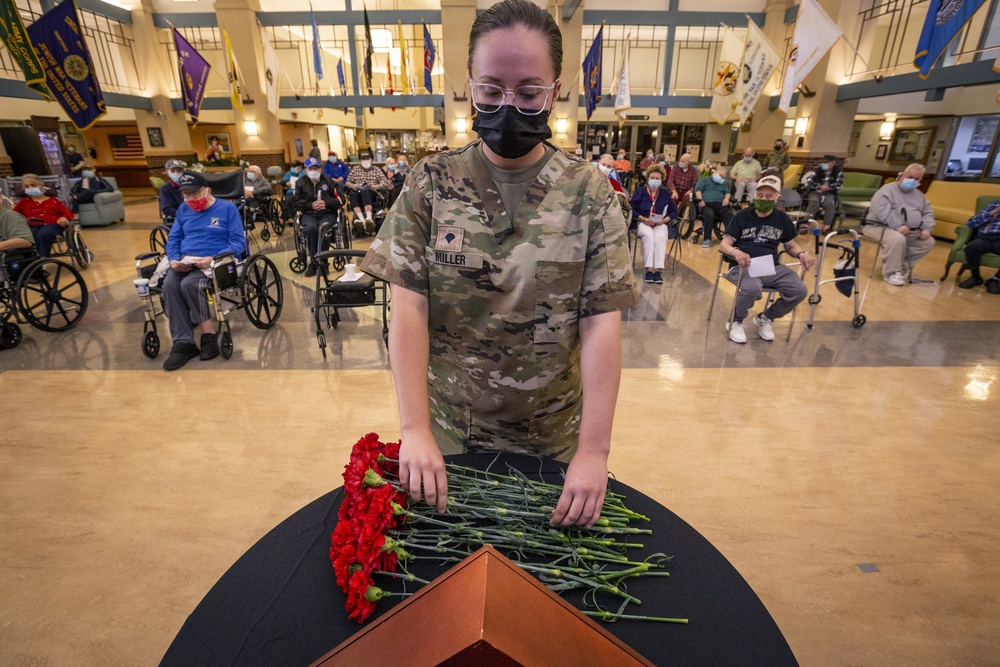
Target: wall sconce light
{"x": 561, "y": 125}
{"x": 461, "y": 125}
{"x": 801, "y": 125}
{"x": 250, "y": 127}
{"x": 886, "y": 130}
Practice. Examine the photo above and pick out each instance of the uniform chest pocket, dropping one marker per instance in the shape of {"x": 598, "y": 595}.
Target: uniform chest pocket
{"x": 557, "y": 300}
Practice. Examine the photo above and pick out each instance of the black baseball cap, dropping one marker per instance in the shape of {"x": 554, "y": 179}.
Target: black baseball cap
{"x": 192, "y": 180}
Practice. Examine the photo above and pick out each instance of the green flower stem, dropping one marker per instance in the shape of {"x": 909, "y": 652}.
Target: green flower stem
{"x": 610, "y": 617}
{"x": 402, "y": 575}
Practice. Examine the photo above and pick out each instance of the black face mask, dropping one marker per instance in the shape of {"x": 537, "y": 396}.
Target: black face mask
{"x": 511, "y": 134}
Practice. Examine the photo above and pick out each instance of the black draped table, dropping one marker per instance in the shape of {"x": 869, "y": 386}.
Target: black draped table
{"x": 279, "y": 603}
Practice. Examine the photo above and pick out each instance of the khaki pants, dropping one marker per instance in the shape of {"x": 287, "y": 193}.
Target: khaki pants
{"x": 899, "y": 253}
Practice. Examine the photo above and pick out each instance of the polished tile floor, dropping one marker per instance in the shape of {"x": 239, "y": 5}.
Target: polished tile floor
{"x": 125, "y": 491}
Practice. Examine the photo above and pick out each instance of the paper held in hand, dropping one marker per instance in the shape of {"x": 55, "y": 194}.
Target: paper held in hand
{"x": 655, "y": 218}
{"x": 193, "y": 261}
{"x": 761, "y": 266}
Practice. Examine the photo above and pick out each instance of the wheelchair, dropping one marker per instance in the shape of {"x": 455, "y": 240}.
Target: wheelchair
{"x": 380, "y": 208}
{"x": 332, "y": 294}
{"x": 268, "y": 214}
{"x": 691, "y": 217}
{"x": 46, "y": 293}
{"x": 335, "y": 236}
{"x": 70, "y": 244}
{"x": 252, "y": 285}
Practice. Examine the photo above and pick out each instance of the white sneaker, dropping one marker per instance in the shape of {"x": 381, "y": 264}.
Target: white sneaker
{"x": 897, "y": 279}
{"x": 765, "y": 327}
{"x": 737, "y": 333}
{"x": 368, "y": 217}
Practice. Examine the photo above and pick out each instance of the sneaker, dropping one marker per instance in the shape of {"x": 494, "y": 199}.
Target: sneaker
{"x": 359, "y": 228}
{"x": 311, "y": 270}
{"x": 993, "y": 286}
{"x": 649, "y": 276}
{"x": 897, "y": 279}
{"x": 737, "y": 333}
{"x": 765, "y": 327}
{"x": 970, "y": 282}
{"x": 707, "y": 243}
{"x": 369, "y": 226}
{"x": 657, "y": 277}
{"x": 180, "y": 354}
{"x": 209, "y": 346}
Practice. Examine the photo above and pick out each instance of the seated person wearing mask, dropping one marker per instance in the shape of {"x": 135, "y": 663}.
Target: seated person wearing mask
{"x": 14, "y": 232}
{"x": 316, "y": 198}
{"x": 986, "y": 226}
{"x": 682, "y": 180}
{"x": 291, "y": 176}
{"x": 652, "y": 209}
{"x": 607, "y": 166}
{"x": 171, "y": 197}
{"x": 756, "y": 231}
{"x": 204, "y": 227}
{"x": 712, "y": 195}
{"x": 256, "y": 188}
{"x": 47, "y": 216}
{"x": 402, "y": 165}
{"x": 337, "y": 170}
{"x": 745, "y": 174}
{"x": 364, "y": 181}
{"x": 396, "y": 180}
{"x": 908, "y": 220}
{"x": 822, "y": 185}
{"x": 90, "y": 184}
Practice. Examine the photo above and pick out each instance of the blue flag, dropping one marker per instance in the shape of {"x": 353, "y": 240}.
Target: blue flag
{"x": 340, "y": 77}
{"x": 945, "y": 19}
{"x": 317, "y": 56}
{"x": 592, "y": 73}
{"x": 429, "y": 55}
{"x": 69, "y": 71}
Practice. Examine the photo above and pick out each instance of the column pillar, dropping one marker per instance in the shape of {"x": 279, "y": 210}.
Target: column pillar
{"x": 171, "y": 126}
{"x": 239, "y": 19}
{"x": 567, "y": 107}
{"x": 457, "y": 17}
{"x": 767, "y": 125}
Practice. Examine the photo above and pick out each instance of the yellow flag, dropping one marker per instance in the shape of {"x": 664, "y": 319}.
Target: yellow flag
{"x": 235, "y": 93}
{"x": 402, "y": 61}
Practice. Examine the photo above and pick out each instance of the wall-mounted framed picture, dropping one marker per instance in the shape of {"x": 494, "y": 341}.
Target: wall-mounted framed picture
{"x": 881, "y": 151}
{"x": 852, "y": 145}
{"x": 982, "y": 136}
{"x": 155, "y": 136}
{"x": 911, "y": 144}
{"x": 298, "y": 148}
{"x": 716, "y": 146}
{"x": 219, "y": 139}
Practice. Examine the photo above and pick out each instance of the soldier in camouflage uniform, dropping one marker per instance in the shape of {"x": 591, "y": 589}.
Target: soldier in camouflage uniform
{"x": 508, "y": 262}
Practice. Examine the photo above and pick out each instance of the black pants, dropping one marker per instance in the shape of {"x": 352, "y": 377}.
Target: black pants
{"x": 310, "y": 223}
{"x": 978, "y": 247}
{"x": 362, "y": 198}
{"x": 714, "y": 210}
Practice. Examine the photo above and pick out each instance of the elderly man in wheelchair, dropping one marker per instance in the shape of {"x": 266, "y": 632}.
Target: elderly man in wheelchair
{"x": 204, "y": 227}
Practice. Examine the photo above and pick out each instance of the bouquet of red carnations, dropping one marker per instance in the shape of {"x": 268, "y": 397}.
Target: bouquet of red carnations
{"x": 379, "y": 532}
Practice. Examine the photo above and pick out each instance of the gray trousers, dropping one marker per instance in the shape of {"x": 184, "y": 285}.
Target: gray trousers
{"x": 826, "y": 200}
{"x": 185, "y": 303}
{"x": 899, "y": 253}
{"x": 790, "y": 288}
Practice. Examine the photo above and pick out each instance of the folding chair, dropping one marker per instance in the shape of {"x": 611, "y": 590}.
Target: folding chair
{"x": 771, "y": 293}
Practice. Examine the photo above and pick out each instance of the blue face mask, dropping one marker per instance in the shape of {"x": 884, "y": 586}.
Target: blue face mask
{"x": 392, "y": 167}
{"x": 33, "y": 192}
{"x": 825, "y": 167}
{"x": 909, "y": 184}
{"x": 718, "y": 179}
{"x": 175, "y": 176}
{"x": 251, "y": 176}
{"x": 88, "y": 174}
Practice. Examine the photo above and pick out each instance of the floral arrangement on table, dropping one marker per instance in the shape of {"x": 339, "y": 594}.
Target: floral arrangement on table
{"x": 380, "y": 531}
{"x": 707, "y": 168}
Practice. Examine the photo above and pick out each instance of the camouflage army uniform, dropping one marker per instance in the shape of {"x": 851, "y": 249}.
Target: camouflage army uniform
{"x": 505, "y": 299}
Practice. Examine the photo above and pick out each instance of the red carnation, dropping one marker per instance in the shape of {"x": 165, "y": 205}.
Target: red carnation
{"x": 362, "y": 594}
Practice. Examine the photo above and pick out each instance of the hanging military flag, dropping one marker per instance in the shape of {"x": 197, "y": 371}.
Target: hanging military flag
{"x": 272, "y": 74}
{"x": 193, "y": 70}
{"x": 69, "y": 71}
{"x": 815, "y": 34}
{"x": 592, "y": 73}
{"x": 388, "y": 68}
{"x": 235, "y": 88}
{"x": 945, "y": 19}
{"x": 404, "y": 68}
{"x": 14, "y": 37}
{"x": 317, "y": 54}
{"x": 429, "y": 56}
{"x": 760, "y": 59}
{"x": 340, "y": 76}
{"x": 727, "y": 77}
{"x": 622, "y": 92}
{"x": 369, "y": 55}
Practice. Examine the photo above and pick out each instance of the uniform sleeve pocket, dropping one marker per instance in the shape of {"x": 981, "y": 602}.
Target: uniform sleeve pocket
{"x": 557, "y": 300}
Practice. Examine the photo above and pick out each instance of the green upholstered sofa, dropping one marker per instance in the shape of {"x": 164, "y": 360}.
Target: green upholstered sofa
{"x": 858, "y": 186}
{"x": 954, "y": 203}
{"x": 962, "y": 237}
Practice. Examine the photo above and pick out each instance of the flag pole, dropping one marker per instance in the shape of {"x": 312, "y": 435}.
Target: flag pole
{"x": 877, "y": 77}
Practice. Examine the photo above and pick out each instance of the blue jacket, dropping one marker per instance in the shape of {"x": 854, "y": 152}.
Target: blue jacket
{"x": 217, "y": 229}
{"x": 289, "y": 175}
{"x": 641, "y": 204}
{"x": 170, "y": 199}
{"x": 338, "y": 169}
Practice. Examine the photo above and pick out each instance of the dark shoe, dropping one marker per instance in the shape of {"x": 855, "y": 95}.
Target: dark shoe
{"x": 369, "y": 226}
{"x": 657, "y": 278}
{"x": 993, "y": 286}
{"x": 209, "y": 346}
{"x": 180, "y": 354}
{"x": 970, "y": 282}
{"x": 311, "y": 270}
{"x": 649, "y": 277}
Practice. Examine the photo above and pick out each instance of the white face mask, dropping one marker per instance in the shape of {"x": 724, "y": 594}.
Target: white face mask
{"x": 366, "y": 164}
{"x": 604, "y": 168}
{"x": 313, "y": 174}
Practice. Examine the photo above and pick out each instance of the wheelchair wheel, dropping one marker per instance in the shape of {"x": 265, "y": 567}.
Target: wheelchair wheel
{"x": 158, "y": 238}
{"x": 277, "y": 221}
{"x": 719, "y": 230}
{"x": 51, "y": 295}
{"x": 150, "y": 344}
{"x": 339, "y": 263}
{"x": 686, "y": 225}
{"x": 262, "y": 292}
{"x": 226, "y": 344}
{"x": 297, "y": 264}
{"x": 10, "y": 336}
{"x": 859, "y": 321}
{"x": 78, "y": 248}
{"x": 265, "y": 233}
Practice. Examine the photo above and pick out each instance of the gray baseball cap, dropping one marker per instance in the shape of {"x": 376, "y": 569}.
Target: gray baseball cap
{"x": 173, "y": 164}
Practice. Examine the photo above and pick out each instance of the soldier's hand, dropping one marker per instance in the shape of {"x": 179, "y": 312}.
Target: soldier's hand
{"x": 421, "y": 469}
{"x": 583, "y": 493}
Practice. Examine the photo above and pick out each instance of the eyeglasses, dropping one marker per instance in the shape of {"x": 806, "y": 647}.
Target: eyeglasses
{"x": 529, "y": 100}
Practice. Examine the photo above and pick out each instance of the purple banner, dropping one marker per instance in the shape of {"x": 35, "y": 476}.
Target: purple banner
{"x": 194, "y": 74}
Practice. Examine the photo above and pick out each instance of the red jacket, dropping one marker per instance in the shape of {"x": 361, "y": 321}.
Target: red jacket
{"x": 48, "y": 211}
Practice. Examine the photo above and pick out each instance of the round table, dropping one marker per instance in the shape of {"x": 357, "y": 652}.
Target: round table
{"x": 279, "y": 603}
